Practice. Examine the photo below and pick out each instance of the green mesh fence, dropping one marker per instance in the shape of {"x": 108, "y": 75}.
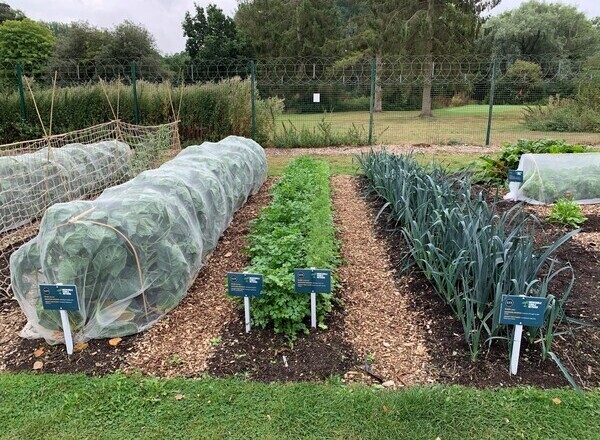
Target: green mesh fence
{"x": 476, "y": 99}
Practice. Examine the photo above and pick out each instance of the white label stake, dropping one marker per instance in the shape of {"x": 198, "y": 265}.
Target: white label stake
{"x": 247, "y": 313}
{"x": 313, "y": 310}
{"x": 516, "y": 349}
{"x": 67, "y": 330}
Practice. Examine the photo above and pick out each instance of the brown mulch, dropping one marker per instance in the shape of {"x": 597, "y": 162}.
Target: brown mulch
{"x": 378, "y": 320}
{"x": 181, "y": 343}
{"x": 579, "y": 352}
{"x": 398, "y": 149}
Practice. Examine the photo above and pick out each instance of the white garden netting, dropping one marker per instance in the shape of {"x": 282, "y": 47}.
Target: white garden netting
{"x": 135, "y": 250}
{"x": 549, "y": 177}
{"x": 36, "y": 174}
{"x": 31, "y": 182}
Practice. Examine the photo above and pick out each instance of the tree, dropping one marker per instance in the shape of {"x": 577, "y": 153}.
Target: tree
{"x": 522, "y": 83}
{"x": 537, "y": 28}
{"x": 443, "y": 26}
{"x": 7, "y": 13}
{"x": 376, "y": 29}
{"x": 284, "y": 28}
{"x": 175, "y": 64}
{"x": 26, "y": 42}
{"x": 211, "y": 34}
{"x": 130, "y": 41}
{"x": 422, "y": 28}
{"x": 79, "y": 41}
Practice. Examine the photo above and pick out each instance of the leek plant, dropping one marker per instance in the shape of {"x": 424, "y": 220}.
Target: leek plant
{"x": 471, "y": 254}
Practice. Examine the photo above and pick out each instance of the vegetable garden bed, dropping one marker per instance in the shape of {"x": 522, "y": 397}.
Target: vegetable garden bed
{"x": 205, "y": 332}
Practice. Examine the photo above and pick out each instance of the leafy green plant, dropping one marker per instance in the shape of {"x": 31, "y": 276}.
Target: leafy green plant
{"x": 566, "y": 212}
{"x": 215, "y": 341}
{"x": 175, "y": 361}
{"x": 150, "y": 151}
{"x": 296, "y": 230}
{"x": 471, "y": 255}
{"x": 495, "y": 170}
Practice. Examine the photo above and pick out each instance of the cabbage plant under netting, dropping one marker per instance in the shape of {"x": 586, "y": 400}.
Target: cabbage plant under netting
{"x": 549, "y": 177}
{"x": 135, "y": 250}
{"x": 31, "y": 182}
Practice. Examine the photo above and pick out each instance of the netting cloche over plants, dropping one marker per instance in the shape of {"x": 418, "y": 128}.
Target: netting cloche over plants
{"x": 135, "y": 250}
{"x": 31, "y": 182}
{"x": 549, "y": 177}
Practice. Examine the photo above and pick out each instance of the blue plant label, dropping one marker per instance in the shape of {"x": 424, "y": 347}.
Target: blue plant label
{"x": 59, "y": 297}
{"x": 523, "y": 310}
{"x": 312, "y": 280}
{"x": 515, "y": 176}
{"x": 244, "y": 284}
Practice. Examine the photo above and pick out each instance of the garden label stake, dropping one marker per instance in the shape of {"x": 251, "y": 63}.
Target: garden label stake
{"x": 61, "y": 297}
{"x": 519, "y": 310}
{"x": 312, "y": 281}
{"x": 246, "y": 285}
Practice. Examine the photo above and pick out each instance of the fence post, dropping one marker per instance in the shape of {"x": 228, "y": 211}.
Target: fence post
{"x": 252, "y": 98}
{"x": 136, "y": 110}
{"x": 491, "y": 102}
{"x": 21, "y": 93}
{"x": 372, "y": 100}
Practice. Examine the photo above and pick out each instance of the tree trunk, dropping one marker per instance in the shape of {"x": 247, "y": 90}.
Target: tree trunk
{"x": 378, "y": 105}
{"x": 428, "y": 63}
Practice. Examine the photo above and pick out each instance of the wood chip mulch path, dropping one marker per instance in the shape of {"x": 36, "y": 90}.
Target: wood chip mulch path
{"x": 181, "y": 342}
{"x": 379, "y": 321}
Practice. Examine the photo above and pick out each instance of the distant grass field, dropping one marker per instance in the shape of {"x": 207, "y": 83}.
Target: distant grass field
{"x": 465, "y": 125}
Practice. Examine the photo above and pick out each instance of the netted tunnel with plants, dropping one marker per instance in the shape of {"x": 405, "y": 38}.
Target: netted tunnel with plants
{"x": 135, "y": 250}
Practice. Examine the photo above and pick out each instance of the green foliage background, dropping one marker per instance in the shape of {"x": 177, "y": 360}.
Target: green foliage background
{"x": 209, "y": 111}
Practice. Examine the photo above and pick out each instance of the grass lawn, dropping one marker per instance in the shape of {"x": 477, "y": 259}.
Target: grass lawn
{"x": 346, "y": 164}
{"x": 466, "y": 124}
{"x": 75, "y": 407}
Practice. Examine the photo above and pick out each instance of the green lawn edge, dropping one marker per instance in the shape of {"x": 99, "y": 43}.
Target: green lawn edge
{"x": 117, "y": 406}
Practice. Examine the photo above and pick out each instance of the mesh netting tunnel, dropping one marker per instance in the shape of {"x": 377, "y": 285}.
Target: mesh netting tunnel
{"x": 31, "y": 182}
{"x": 135, "y": 250}
{"x": 549, "y": 177}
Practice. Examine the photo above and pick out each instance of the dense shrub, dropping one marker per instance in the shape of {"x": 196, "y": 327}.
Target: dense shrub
{"x": 295, "y": 231}
{"x": 563, "y": 115}
{"x": 209, "y": 111}
{"x": 522, "y": 83}
{"x": 579, "y": 114}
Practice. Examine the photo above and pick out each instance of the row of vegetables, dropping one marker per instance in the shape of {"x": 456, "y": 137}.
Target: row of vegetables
{"x": 471, "y": 253}
{"x": 295, "y": 230}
